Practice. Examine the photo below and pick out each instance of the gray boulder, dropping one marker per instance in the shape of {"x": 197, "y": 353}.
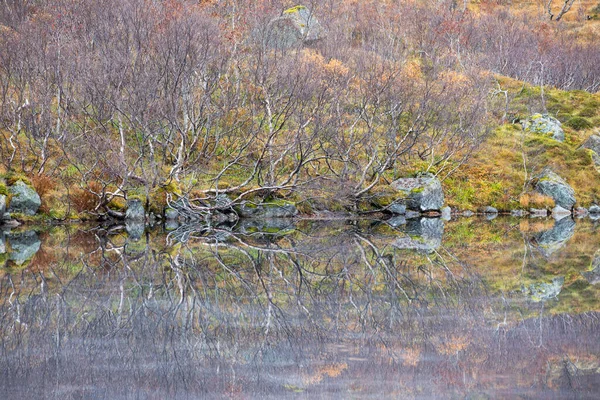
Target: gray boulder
{"x": 2, "y": 243}
{"x": 468, "y": 213}
{"x": 544, "y": 291}
{"x": 594, "y": 209}
{"x": 25, "y": 199}
{"x": 396, "y": 221}
{"x": 295, "y": 26}
{"x": 490, "y": 210}
{"x": 266, "y": 210}
{"x": 550, "y": 184}
{"x": 423, "y": 193}
{"x": 593, "y": 144}
{"x": 422, "y": 234}
{"x": 545, "y": 125}
{"x": 23, "y": 246}
{"x": 171, "y": 214}
{"x": 135, "y": 210}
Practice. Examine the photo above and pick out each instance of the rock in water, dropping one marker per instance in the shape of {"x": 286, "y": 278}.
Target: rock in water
{"x": 423, "y": 193}
{"x": 551, "y": 185}
{"x": 594, "y": 209}
{"x": 296, "y": 26}
{"x": 135, "y": 210}
{"x": 24, "y": 200}
{"x": 545, "y": 125}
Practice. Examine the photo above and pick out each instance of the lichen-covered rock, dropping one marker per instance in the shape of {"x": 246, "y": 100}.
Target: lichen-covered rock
{"x": 550, "y": 184}
{"x": 23, "y": 246}
{"x": 423, "y": 193}
{"x": 545, "y": 125}
{"x": 135, "y": 210}
{"x": 266, "y": 210}
{"x": 25, "y": 199}
{"x": 296, "y": 26}
{"x": 171, "y": 214}
{"x": 544, "y": 291}
{"x": 593, "y": 144}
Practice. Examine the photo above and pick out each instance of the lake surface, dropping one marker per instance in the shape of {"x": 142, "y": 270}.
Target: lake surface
{"x": 506, "y": 308}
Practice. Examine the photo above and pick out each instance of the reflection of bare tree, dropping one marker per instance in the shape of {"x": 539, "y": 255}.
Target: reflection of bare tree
{"x": 258, "y": 314}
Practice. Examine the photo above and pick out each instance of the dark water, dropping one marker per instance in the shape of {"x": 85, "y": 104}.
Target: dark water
{"x": 275, "y": 309}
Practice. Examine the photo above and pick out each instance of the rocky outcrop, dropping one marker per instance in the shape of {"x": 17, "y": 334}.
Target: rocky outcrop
{"x": 25, "y": 199}
{"x": 295, "y": 27}
{"x": 550, "y": 184}
{"x": 266, "y": 210}
{"x": 545, "y": 125}
{"x": 423, "y": 193}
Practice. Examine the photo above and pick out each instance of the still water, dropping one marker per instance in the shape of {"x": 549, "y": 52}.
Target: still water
{"x": 507, "y": 308}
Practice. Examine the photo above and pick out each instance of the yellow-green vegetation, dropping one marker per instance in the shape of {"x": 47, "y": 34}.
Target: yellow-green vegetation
{"x": 294, "y": 9}
{"x": 499, "y": 172}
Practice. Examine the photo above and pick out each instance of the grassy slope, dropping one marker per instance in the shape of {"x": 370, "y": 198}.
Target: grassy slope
{"x": 498, "y": 173}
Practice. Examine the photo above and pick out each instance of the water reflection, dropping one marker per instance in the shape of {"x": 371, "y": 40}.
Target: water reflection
{"x": 320, "y": 309}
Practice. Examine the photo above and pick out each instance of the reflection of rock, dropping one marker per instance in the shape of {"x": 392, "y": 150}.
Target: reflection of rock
{"x": 593, "y": 276}
{"x": 422, "y": 234}
{"x": 397, "y": 221}
{"x": 135, "y": 229}
{"x": 267, "y": 210}
{"x": 446, "y": 213}
{"x": 265, "y": 225}
{"x": 171, "y": 224}
{"x": 24, "y": 199}
{"x": 548, "y": 242}
{"x": 23, "y": 246}
{"x": 544, "y": 291}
